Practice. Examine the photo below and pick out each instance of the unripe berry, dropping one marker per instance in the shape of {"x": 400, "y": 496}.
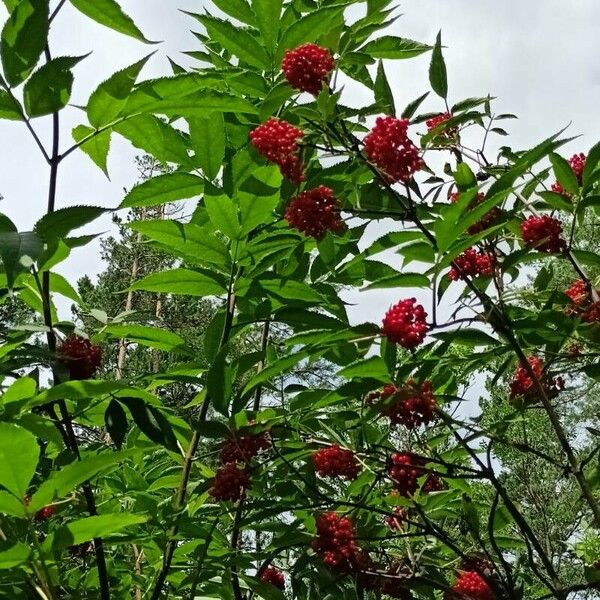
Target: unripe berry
{"x": 315, "y": 212}
{"x": 405, "y": 324}
{"x": 273, "y": 576}
{"x": 81, "y": 357}
{"x": 230, "y": 483}
{"x": 389, "y": 148}
{"x": 277, "y": 141}
{"x": 543, "y": 233}
{"x": 307, "y": 67}
{"x": 336, "y": 462}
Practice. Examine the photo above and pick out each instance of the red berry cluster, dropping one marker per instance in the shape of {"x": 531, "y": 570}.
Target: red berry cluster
{"x": 81, "y": 357}
{"x": 307, "y": 67}
{"x": 243, "y": 448}
{"x": 405, "y": 324}
{"x": 472, "y": 263}
{"x": 523, "y": 385}
{"x": 336, "y": 462}
{"x": 230, "y": 482}
{"x": 405, "y": 469}
{"x": 273, "y": 576}
{"x": 389, "y": 148}
{"x": 582, "y": 304}
{"x": 543, "y": 233}
{"x": 411, "y": 405}
{"x": 315, "y": 212}
{"x": 486, "y": 221}
{"x": 433, "y": 483}
{"x": 447, "y": 135}
{"x": 398, "y": 519}
{"x": 277, "y": 141}
{"x": 577, "y": 163}
{"x": 471, "y": 586}
{"x": 336, "y": 542}
{"x": 437, "y": 120}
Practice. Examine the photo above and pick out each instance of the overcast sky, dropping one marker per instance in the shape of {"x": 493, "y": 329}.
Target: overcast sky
{"x": 538, "y": 57}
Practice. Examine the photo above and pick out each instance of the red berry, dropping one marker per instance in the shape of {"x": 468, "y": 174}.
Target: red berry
{"x": 243, "y": 448}
{"x": 388, "y": 147}
{"x": 577, "y": 292}
{"x": 486, "y": 221}
{"x": 45, "y": 513}
{"x": 315, "y": 212}
{"x": 472, "y": 586}
{"x": 577, "y": 163}
{"x": 307, "y": 67}
{"x": 410, "y": 405}
{"x": 336, "y": 542}
{"x": 277, "y": 141}
{"x": 405, "y": 324}
{"x": 398, "y": 519}
{"x": 404, "y": 471}
{"x": 81, "y": 357}
{"x": 524, "y": 386}
{"x": 336, "y": 462}
{"x": 583, "y": 304}
{"x": 543, "y": 233}
{"x": 447, "y": 135}
{"x": 472, "y": 263}
{"x": 230, "y": 482}
{"x": 434, "y": 483}
{"x": 273, "y": 576}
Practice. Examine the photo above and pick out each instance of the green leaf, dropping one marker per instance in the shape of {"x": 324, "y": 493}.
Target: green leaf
{"x": 464, "y": 177}
{"x": 256, "y": 210}
{"x": 19, "y": 455}
{"x": 169, "y": 187}
{"x": 15, "y": 556}
{"x": 110, "y": 14}
{"x": 59, "y": 285}
{"x": 238, "y": 9}
{"x": 437, "y": 69}
{"x": 115, "y": 420}
{"x": 182, "y": 281}
{"x": 9, "y": 107}
{"x": 394, "y": 47}
{"x": 156, "y": 137}
{"x": 411, "y": 109}
{"x": 370, "y": 368}
{"x": 89, "y": 528}
{"x": 236, "y": 40}
{"x": 400, "y": 280}
{"x": 152, "y": 423}
{"x": 18, "y": 252}
{"x": 153, "y": 337}
{"x": 9, "y": 505}
{"x": 467, "y": 337}
{"x": 268, "y": 19}
{"x": 96, "y": 147}
{"x": 383, "y": 92}
{"x": 309, "y": 28}
{"x": 108, "y": 99}
{"x": 564, "y": 173}
{"x": 591, "y": 163}
{"x": 60, "y": 223}
{"x": 218, "y": 383}
{"x": 23, "y": 39}
{"x": 48, "y": 90}
{"x": 62, "y": 482}
{"x": 208, "y": 140}
{"x": 223, "y": 214}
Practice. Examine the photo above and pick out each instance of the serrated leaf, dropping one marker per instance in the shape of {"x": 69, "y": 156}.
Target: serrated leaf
{"x": 169, "y": 187}
{"x": 383, "y": 92}
{"x": 238, "y": 9}
{"x": 394, "y": 48}
{"x": 370, "y": 368}
{"x": 107, "y": 100}
{"x": 411, "y": 109}
{"x": 19, "y": 455}
{"x": 48, "y": 90}
{"x": 111, "y": 15}
{"x": 268, "y": 19}
{"x": 23, "y": 39}
{"x": 223, "y": 214}
{"x": 61, "y": 222}
{"x": 97, "y": 145}
{"x": 18, "y": 251}
{"x": 9, "y": 107}
{"x": 564, "y": 173}
{"x": 208, "y": 141}
{"x": 437, "y": 70}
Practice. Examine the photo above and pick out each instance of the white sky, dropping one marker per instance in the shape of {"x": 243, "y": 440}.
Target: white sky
{"x": 538, "y": 57}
